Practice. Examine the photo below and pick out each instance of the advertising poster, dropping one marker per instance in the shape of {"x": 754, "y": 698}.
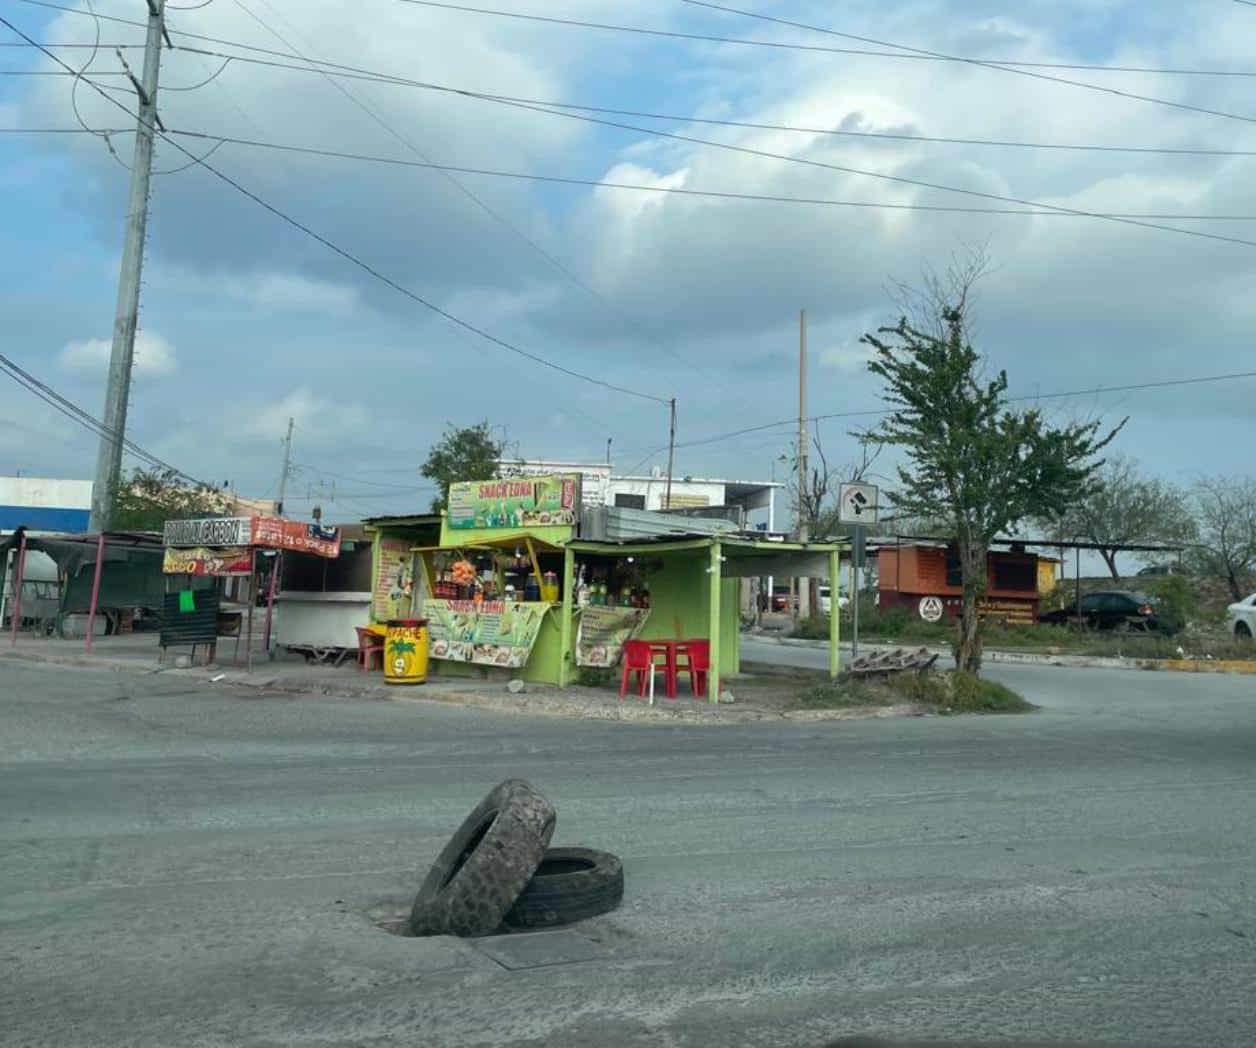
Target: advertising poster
{"x": 602, "y": 632}
{"x": 394, "y": 580}
{"x": 518, "y": 502}
{"x": 278, "y": 533}
{"x": 198, "y": 560}
{"x": 489, "y": 633}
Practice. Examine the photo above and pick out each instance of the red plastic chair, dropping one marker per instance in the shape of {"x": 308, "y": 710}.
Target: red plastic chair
{"x": 370, "y": 649}
{"x": 638, "y": 659}
{"x": 697, "y": 664}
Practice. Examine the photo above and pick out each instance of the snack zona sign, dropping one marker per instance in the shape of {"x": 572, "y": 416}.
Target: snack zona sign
{"x": 517, "y": 502}
{"x": 489, "y": 633}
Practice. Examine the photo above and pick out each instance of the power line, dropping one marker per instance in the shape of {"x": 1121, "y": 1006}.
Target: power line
{"x": 676, "y": 190}
{"x": 1006, "y": 67}
{"x": 358, "y": 73}
{"x": 367, "y": 267}
{"x": 880, "y": 412}
{"x": 742, "y": 41}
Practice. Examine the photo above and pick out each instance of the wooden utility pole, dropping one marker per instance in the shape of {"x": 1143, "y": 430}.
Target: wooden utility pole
{"x": 671, "y": 453}
{"x": 287, "y": 466}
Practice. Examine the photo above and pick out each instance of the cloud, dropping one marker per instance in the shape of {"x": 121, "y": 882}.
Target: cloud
{"x": 154, "y": 356}
{"x": 319, "y": 420}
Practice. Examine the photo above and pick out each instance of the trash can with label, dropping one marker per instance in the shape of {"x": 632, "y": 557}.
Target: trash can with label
{"x": 405, "y": 651}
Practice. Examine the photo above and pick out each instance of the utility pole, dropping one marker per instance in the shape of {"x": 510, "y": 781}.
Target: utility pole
{"x": 671, "y": 453}
{"x": 287, "y": 467}
{"x": 804, "y": 585}
{"x": 126, "y": 319}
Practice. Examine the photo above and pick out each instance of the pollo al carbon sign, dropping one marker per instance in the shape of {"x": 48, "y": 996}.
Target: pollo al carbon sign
{"x": 213, "y": 531}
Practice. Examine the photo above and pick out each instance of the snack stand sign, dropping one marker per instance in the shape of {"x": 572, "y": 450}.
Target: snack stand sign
{"x": 603, "y": 631}
{"x": 518, "y": 502}
{"x": 489, "y": 633}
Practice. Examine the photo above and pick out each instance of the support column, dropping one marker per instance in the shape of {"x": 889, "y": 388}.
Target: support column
{"x": 713, "y": 624}
{"x": 17, "y": 586}
{"x": 835, "y": 616}
{"x": 567, "y": 655}
{"x": 91, "y": 614}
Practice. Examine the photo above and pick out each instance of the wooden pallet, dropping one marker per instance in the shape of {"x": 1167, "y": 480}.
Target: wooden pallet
{"x": 884, "y": 663}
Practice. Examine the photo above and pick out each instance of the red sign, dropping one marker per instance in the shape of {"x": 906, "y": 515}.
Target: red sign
{"x": 200, "y": 560}
{"x": 278, "y": 533}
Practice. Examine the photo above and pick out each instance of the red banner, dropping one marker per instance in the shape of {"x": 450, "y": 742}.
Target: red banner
{"x": 199, "y": 560}
{"x": 278, "y": 533}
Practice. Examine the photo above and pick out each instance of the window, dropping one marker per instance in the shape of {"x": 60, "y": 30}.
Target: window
{"x": 1091, "y": 603}
{"x": 1014, "y": 575}
{"x": 954, "y": 574}
{"x": 630, "y": 501}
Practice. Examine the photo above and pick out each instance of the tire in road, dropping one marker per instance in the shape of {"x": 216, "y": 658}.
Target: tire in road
{"x": 571, "y": 884}
{"x": 486, "y": 865}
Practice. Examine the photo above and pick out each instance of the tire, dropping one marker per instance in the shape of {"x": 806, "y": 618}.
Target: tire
{"x": 1243, "y": 631}
{"x": 486, "y": 865}
{"x": 571, "y": 884}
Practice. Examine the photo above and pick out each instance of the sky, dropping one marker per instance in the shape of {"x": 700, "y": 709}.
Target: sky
{"x": 247, "y": 321}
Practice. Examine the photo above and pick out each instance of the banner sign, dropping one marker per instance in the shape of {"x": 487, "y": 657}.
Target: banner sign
{"x": 215, "y": 531}
{"x": 199, "y": 560}
{"x": 394, "y": 580}
{"x": 490, "y": 633}
{"x": 518, "y": 502}
{"x": 270, "y": 532}
{"x": 602, "y": 632}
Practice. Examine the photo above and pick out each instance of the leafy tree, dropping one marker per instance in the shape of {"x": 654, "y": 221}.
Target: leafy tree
{"x": 146, "y": 500}
{"x": 1226, "y": 547}
{"x": 1124, "y": 507}
{"x": 469, "y": 453}
{"x": 973, "y": 462}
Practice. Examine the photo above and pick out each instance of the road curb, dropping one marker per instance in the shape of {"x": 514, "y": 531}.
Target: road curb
{"x": 1031, "y": 658}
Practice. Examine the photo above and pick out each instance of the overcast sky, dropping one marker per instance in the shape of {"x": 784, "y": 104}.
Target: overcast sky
{"x": 247, "y": 321}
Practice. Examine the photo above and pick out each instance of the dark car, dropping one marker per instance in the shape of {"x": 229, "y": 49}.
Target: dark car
{"x": 1112, "y": 609}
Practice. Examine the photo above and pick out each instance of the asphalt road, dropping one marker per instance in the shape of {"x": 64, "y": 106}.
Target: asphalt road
{"x": 184, "y": 866}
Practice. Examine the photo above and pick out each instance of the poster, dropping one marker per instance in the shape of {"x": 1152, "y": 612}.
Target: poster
{"x": 393, "y": 590}
{"x": 517, "y": 502}
{"x": 271, "y": 532}
{"x": 602, "y": 632}
{"x": 199, "y": 560}
{"x": 489, "y": 633}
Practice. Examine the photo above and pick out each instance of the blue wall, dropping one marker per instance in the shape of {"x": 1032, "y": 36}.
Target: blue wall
{"x": 43, "y": 518}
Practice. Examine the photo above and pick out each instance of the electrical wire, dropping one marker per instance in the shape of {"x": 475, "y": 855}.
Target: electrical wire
{"x": 357, "y": 73}
{"x": 921, "y": 56}
{"x": 681, "y": 191}
{"x": 367, "y": 267}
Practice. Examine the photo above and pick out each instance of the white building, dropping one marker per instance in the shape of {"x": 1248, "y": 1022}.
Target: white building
{"x": 44, "y": 504}
{"x": 603, "y": 487}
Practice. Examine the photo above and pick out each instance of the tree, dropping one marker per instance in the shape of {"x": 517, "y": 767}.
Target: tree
{"x": 974, "y": 462}
{"x": 146, "y": 500}
{"x": 1124, "y": 507}
{"x": 1226, "y": 547}
{"x": 470, "y": 453}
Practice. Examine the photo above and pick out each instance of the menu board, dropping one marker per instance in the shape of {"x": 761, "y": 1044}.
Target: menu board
{"x": 518, "y": 502}
{"x": 490, "y": 633}
{"x": 393, "y": 589}
{"x": 602, "y": 632}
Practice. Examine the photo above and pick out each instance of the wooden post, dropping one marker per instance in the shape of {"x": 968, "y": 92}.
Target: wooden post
{"x": 248, "y": 643}
{"x": 91, "y": 614}
{"x": 566, "y": 652}
{"x": 835, "y": 616}
{"x": 713, "y": 626}
{"x": 17, "y": 586}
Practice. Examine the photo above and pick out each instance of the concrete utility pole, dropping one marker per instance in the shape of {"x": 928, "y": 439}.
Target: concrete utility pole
{"x": 118, "y": 390}
{"x": 671, "y": 454}
{"x": 287, "y": 466}
{"x": 804, "y": 585}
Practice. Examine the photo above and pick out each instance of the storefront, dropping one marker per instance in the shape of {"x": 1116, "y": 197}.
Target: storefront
{"x": 512, "y": 589}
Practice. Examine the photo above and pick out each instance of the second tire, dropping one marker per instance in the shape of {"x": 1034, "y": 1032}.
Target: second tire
{"x": 570, "y": 884}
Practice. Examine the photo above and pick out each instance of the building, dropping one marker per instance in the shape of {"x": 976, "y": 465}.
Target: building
{"x": 924, "y": 578}
{"x": 601, "y": 486}
{"x": 44, "y": 504}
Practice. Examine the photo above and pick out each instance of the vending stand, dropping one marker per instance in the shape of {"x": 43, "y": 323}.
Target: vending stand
{"x": 223, "y": 547}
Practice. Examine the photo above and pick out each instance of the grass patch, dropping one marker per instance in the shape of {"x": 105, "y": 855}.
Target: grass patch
{"x": 940, "y": 692}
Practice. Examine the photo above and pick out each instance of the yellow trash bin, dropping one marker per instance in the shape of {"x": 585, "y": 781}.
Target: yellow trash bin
{"x": 405, "y": 651}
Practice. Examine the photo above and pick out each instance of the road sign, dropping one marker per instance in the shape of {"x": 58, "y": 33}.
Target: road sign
{"x": 857, "y": 504}
{"x": 930, "y": 609}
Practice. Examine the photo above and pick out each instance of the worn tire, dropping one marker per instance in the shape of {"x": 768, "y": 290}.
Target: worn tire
{"x": 571, "y": 884}
{"x": 486, "y": 865}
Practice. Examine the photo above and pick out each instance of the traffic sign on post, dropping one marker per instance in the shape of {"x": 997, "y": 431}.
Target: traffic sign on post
{"x": 857, "y": 504}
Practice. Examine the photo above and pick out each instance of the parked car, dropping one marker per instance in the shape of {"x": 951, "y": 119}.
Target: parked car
{"x": 1241, "y": 618}
{"x": 826, "y": 600}
{"x": 1112, "y": 609}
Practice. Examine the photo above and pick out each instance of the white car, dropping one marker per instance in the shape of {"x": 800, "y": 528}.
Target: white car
{"x": 1241, "y": 618}
{"x": 826, "y": 600}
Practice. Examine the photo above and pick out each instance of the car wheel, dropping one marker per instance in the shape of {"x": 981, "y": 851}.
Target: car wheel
{"x": 486, "y": 865}
{"x": 1243, "y": 631}
{"x": 571, "y": 884}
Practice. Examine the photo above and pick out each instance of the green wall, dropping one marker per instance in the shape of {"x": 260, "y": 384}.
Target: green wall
{"x": 680, "y": 605}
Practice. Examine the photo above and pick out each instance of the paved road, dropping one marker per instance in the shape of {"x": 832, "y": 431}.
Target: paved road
{"x": 184, "y": 866}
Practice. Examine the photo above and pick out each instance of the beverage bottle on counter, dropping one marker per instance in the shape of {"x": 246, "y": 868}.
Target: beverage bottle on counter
{"x": 582, "y": 589}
